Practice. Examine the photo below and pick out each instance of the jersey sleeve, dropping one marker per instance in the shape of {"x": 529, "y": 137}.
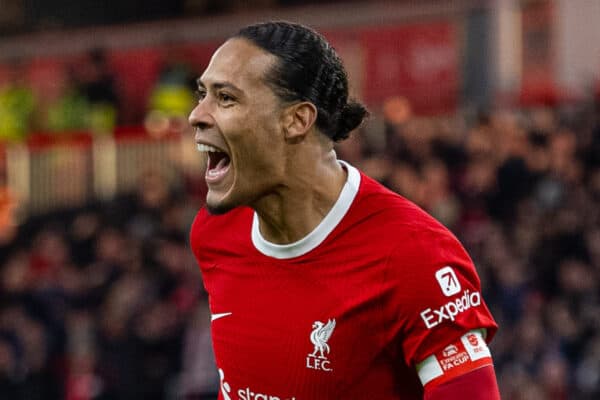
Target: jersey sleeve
{"x": 477, "y": 384}
{"x": 436, "y": 297}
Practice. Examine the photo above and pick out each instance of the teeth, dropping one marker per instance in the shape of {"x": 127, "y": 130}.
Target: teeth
{"x": 206, "y": 148}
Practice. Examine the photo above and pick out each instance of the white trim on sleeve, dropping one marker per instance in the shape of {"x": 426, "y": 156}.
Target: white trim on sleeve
{"x": 429, "y": 369}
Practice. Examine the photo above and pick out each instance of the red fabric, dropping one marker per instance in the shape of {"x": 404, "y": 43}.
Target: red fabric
{"x": 479, "y": 384}
{"x": 398, "y": 285}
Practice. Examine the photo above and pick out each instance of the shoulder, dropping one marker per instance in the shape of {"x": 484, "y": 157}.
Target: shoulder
{"x": 398, "y": 220}
{"x": 425, "y": 256}
{"x": 413, "y": 243}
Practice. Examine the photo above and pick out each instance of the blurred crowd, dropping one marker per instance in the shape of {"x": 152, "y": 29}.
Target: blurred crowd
{"x": 106, "y": 301}
{"x": 84, "y": 99}
{"x": 521, "y": 189}
{"x": 83, "y": 94}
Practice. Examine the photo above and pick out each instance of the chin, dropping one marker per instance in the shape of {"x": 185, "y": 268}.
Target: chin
{"x": 219, "y": 207}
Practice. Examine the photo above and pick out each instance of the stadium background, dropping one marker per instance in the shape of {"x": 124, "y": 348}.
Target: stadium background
{"x": 485, "y": 113}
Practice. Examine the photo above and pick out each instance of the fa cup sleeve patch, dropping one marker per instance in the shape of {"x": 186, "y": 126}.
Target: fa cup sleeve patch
{"x": 466, "y": 354}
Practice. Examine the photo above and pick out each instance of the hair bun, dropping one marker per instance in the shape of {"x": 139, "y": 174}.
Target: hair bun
{"x": 351, "y": 116}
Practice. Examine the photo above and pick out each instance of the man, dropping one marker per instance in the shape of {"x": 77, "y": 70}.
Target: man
{"x": 322, "y": 283}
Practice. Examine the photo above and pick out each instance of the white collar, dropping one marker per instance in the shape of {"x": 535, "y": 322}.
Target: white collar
{"x": 320, "y": 233}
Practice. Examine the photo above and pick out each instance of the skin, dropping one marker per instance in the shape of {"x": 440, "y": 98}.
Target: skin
{"x": 282, "y": 166}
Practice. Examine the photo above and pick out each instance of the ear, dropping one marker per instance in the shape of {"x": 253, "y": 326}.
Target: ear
{"x": 298, "y": 119}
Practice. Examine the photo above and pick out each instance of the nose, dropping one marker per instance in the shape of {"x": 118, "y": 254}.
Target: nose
{"x": 200, "y": 116}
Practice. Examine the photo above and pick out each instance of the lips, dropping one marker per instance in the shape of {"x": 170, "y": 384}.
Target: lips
{"x": 218, "y": 163}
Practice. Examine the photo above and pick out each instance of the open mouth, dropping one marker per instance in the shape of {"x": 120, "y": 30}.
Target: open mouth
{"x": 218, "y": 162}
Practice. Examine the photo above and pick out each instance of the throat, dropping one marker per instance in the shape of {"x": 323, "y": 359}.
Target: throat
{"x": 296, "y": 210}
{"x": 288, "y": 223}
{"x": 285, "y": 234}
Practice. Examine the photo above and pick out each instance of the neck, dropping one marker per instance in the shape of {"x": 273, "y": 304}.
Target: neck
{"x": 296, "y": 208}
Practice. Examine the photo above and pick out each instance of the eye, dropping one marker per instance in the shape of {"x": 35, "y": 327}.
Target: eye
{"x": 201, "y": 94}
{"x": 225, "y": 98}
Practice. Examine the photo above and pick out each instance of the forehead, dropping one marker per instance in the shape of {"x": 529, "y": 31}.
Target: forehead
{"x": 239, "y": 62}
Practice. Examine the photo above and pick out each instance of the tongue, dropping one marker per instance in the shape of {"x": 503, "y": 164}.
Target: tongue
{"x": 222, "y": 163}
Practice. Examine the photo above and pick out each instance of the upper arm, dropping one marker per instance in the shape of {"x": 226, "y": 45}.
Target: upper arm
{"x": 440, "y": 321}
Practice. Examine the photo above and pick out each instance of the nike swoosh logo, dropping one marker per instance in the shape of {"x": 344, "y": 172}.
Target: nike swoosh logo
{"x": 215, "y": 317}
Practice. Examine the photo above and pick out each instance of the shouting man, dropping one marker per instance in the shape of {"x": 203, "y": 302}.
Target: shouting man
{"x": 322, "y": 283}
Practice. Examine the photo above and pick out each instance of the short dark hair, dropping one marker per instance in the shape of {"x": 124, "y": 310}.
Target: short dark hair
{"x": 309, "y": 69}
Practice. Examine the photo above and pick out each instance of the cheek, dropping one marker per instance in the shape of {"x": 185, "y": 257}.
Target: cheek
{"x": 260, "y": 153}
{"x": 260, "y": 141}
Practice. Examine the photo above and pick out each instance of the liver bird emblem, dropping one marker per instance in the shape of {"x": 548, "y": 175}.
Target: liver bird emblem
{"x": 319, "y": 337}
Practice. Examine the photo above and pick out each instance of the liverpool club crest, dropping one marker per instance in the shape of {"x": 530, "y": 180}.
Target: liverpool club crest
{"x": 319, "y": 337}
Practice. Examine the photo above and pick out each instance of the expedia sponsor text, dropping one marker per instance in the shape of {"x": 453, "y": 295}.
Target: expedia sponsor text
{"x": 449, "y": 311}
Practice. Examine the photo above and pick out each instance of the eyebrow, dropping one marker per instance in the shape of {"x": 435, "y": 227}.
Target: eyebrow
{"x": 218, "y": 85}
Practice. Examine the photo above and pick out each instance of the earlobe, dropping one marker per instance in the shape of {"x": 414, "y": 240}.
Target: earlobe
{"x": 298, "y": 120}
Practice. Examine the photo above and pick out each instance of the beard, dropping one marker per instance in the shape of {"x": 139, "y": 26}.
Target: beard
{"x": 218, "y": 209}
{"x": 218, "y": 204}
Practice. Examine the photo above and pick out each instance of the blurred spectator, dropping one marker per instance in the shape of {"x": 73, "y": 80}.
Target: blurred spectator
{"x": 8, "y": 228}
{"x": 97, "y": 85}
{"x": 17, "y": 104}
{"x": 172, "y": 97}
{"x": 68, "y": 109}
{"x": 85, "y": 100}
{"x": 8, "y": 369}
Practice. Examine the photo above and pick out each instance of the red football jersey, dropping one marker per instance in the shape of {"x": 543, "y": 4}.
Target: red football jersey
{"x": 349, "y": 311}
